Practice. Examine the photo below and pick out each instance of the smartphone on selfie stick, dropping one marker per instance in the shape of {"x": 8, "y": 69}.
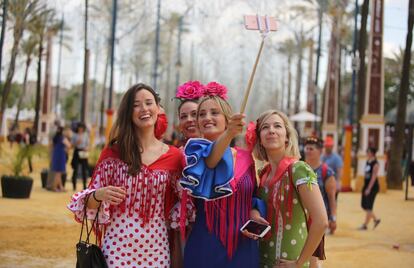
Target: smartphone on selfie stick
{"x": 258, "y": 229}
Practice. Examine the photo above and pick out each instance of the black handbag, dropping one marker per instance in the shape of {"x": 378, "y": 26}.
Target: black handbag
{"x": 89, "y": 255}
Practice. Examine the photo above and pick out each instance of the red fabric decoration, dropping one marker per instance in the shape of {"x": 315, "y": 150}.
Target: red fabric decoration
{"x": 251, "y": 136}
{"x": 160, "y": 126}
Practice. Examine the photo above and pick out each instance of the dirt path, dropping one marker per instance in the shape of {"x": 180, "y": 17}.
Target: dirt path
{"x": 41, "y": 232}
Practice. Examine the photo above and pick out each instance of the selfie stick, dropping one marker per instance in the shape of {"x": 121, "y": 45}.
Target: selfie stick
{"x": 264, "y": 33}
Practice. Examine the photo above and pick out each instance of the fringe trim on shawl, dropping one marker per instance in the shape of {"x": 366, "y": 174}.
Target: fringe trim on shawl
{"x": 280, "y": 194}
{"x": 146, "y": 184}
{"x": 225, "y": 216}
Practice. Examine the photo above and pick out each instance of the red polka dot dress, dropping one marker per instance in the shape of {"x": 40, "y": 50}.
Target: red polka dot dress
{"x": 135, "y": 232}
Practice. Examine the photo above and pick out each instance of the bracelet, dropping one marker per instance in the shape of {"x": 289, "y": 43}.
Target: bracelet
{"x": 332, "y": 218}
{"x": 94, "y": 197}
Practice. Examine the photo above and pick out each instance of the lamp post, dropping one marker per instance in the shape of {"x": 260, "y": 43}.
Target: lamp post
{"x": 157, "y": 45}
{"x": 109, "y": 111}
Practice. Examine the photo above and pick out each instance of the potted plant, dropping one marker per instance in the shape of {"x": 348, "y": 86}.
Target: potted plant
{"x": 16, "y": 185}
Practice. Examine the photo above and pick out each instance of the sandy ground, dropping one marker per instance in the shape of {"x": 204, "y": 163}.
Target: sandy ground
{"x": 41, "y": 232}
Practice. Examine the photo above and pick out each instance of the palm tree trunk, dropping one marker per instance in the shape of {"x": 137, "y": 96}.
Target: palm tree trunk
{"x": 19, "y": 104}
{"x": 394, "y": 173}
{"x": 362, "y": 71}
{"x": 102, "y": 108}
{"x": 3, "y": 31}
{"x": 299, "y": 75}
{"x": 289, "y": 85}
{"x": 18, "y": 32}
{"x": 38, "y": 86}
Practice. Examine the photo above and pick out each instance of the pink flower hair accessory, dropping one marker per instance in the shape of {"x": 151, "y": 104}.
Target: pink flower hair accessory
{"x": 190, "y": 90}
{"x": 215, "y": 89}
{"x": 251, "y": 136}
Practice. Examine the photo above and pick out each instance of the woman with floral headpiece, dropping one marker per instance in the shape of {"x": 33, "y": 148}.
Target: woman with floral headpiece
{"x": 222, "y": 182}
{"x": 189, "y": 93}
{"x": 289, "y": 187}
{"x": 133, "y": 186}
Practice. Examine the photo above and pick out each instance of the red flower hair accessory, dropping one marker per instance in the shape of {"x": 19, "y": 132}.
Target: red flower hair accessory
{"x": 251, "y": 136}
{"x": 215, "y": 89}
{"x": 190, "y": 90}
{"x": 161, "y": 125}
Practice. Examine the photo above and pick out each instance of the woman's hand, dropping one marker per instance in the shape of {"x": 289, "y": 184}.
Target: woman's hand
{"x": 250, "y": 235}
{"x": 367, "y": 191}
{"x": 286, "y": 264}
{"x": 255, "y": 216}
{"x": 332, "y": 226}
{"x": 111, "y": 194}
{"x": 235, "y": 125}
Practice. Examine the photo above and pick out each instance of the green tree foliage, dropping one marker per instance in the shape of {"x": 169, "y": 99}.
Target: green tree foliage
{"x": 71, "y": 103}
{"x": 392, "y": 79}
{"x": 15, "y": 92}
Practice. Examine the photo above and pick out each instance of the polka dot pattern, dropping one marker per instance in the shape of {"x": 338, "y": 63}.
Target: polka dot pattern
{"x": 129, "y": 241}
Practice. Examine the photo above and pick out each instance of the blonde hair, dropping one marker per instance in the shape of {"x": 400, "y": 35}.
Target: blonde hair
{"x": 224, "y": 105}
{"x": 292, "y": 146}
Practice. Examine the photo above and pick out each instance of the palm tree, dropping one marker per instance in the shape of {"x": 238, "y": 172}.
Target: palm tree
{"x": 323, "y": 7}
{"x": 288, "y": 49}
{"x": 302, "y": 42}
{"x": 28, "y": 48}
{"x": 394, "y": 173}
{"x": 21, "y": 14}
{"x": 3, "y": 31}
{"x": 392, "y": 70}
{"x": 39, "y": 27}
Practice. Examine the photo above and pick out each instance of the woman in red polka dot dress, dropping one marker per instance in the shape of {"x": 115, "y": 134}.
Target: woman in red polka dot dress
{"x": 135, "y": 180}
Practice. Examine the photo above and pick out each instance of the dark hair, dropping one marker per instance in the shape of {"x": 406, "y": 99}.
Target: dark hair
{"x": 123, "y": 131}
{"x": 80, "y": 125}
{"x": 318, "y": 142}
{"x": 185, "y": 101}
{"x": 372, "y": 150}
{"x": 58, "y": 134}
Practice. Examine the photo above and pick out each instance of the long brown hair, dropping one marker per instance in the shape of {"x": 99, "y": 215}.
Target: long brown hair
{"x": 123, "y": 132}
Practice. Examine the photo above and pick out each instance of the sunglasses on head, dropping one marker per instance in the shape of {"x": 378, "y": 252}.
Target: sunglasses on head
{"x": 314, "y": 141}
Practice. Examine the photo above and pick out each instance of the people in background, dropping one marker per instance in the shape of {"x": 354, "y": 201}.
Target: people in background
{"x": 370, "y": 189}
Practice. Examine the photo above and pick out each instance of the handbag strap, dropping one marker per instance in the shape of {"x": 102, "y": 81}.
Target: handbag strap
{"x": 85, "y": 221}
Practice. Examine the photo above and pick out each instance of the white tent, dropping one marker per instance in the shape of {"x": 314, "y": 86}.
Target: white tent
{"x": 305, "y": 116}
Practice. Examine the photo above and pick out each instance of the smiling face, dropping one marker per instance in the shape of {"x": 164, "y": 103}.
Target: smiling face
{"x": 145, "y": 110}
{"x": 188, "y": 120}
{"x": 211, "y": 120}
{"x": 273, "y": 135}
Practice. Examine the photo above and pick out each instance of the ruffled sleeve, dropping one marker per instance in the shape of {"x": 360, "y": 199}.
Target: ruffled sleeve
{"x": 101, "y": 177}
{"x": 303, "y": 174}
{"x": 201, "y": 181}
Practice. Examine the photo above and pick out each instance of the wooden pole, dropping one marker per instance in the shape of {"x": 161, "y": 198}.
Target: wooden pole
{"x": 249, "y": 85}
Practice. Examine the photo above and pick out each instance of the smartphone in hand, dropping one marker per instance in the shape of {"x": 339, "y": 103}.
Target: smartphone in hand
{"x": 256, "y": 228}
